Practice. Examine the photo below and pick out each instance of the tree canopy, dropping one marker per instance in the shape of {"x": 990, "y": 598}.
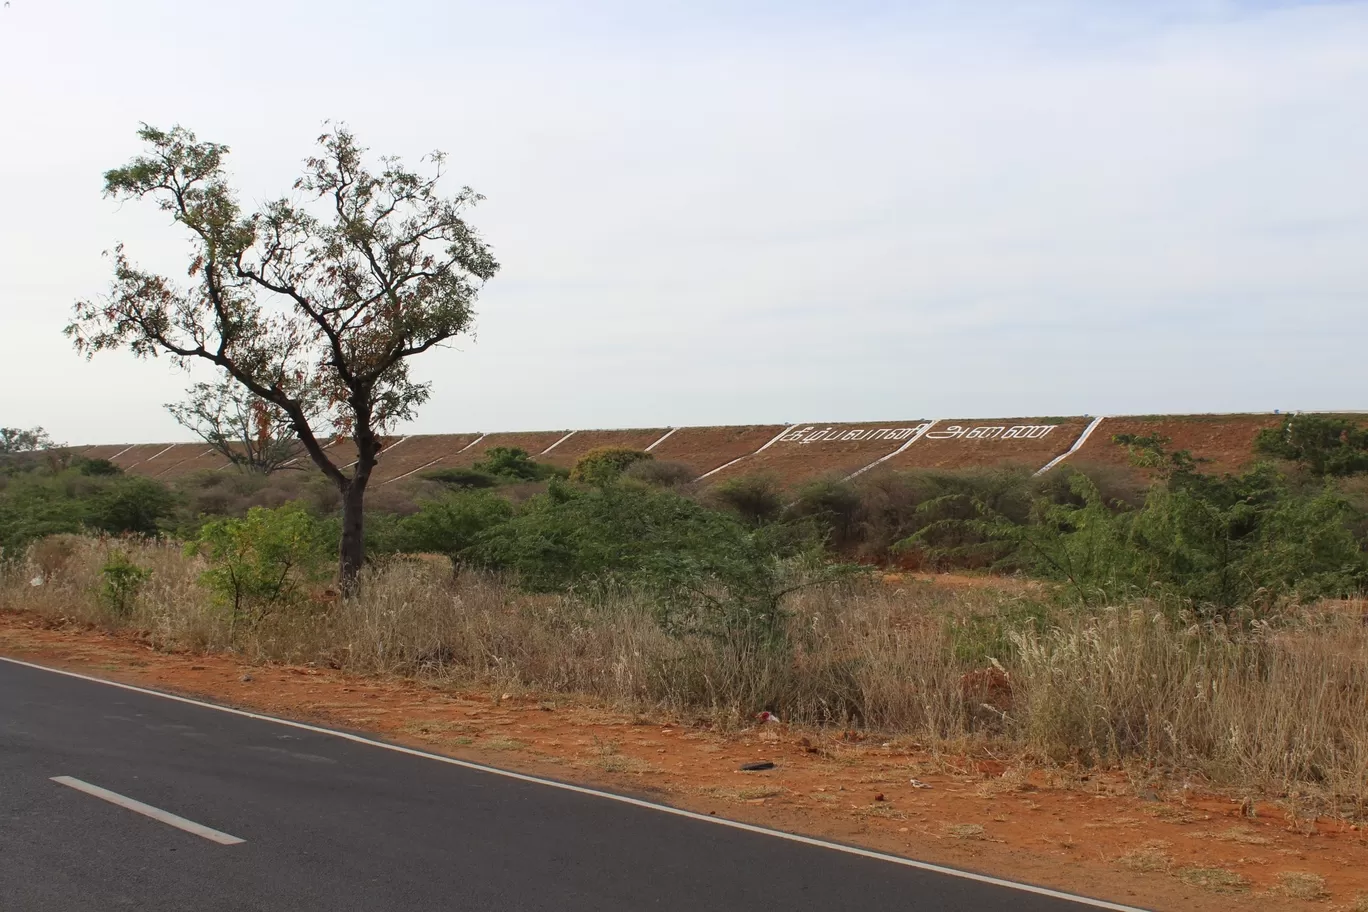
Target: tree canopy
{"x": 314, "y": 303}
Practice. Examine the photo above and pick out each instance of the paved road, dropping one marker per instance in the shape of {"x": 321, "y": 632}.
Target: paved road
{"x": 335, "y": 824}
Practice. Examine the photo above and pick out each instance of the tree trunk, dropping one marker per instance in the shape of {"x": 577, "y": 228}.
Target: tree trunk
{"x": 352, "y": 554}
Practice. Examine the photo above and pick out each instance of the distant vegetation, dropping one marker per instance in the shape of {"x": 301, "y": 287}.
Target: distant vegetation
{"x": 1136, "y": 591}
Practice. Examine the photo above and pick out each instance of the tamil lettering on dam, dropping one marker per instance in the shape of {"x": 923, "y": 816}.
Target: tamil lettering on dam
{"x": 814, "y": 434}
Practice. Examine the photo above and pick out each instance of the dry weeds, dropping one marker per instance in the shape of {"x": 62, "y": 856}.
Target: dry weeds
{"x": 1302, "y": 885}
{"x": 1276, "y": 707}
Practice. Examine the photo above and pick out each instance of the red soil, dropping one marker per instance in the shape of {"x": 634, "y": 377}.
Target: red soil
{"x": 707, "y": 448}
{"x": 136, "y": 455}
{"x": 534, "y": 442}
{"x": 990, "y": 442}
{"x": 165, "y": 463}
{"x": 813, "y": 450}
{"x": 1111, "y": 833}
{"x": 418, "y": 453}
{"x": 581, "y": 442}
{"x": 1226, "y": 441}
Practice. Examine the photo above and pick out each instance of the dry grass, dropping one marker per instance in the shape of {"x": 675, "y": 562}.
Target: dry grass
{"x": 1277, "y": 707}
{"x": 964, "y": 830}
{"x": 1302, "y": 885}
{"x": 1147, "y": 859}
{"x": 1217, "y": 880}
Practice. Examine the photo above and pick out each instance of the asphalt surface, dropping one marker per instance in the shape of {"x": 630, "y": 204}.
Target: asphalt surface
{"x": 332, "y": 824}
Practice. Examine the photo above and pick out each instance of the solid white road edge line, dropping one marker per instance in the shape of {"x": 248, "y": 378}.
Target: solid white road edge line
{"x": 609, "y": 796}
{"x": 148, "y": 810}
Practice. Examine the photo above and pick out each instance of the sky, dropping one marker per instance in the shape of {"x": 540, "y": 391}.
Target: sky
{"x": 748, "y": 212}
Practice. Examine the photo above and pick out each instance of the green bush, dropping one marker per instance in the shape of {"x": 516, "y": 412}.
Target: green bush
{"x": 262, "y": 564}
{"x": 97, "y": 467}
{"x": 1323, "y": 445}
{"x": 835, "y": 506}
{"x": 122, "y": 580}
{"x": 756, "y": 499}
{"x": 604, "y": 465}
{"x": 1217, "y": 544}
{"x": 450, "y": 525}
{"x": 131, "y": 505}
{"x": 708, "y": 572}
{"x": 661, "y": 473}
{"x": 460, "y": 477}
{"x": 39, "y": 503}
{"x": 513, "y": 464}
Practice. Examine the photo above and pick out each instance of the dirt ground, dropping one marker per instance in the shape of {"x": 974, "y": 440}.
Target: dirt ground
{"x": 418, "y": 452}
{"x": 1226, "y": 441}
{"x": 1102, "y": 833}
{"x": 706, "y": 448}
{"x": 565, "y": 454}
{"x": 941, "y": 452}
{"x": 817, "y": 450}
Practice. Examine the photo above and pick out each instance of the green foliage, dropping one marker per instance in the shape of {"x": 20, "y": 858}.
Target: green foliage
{"x": 1217, "y": 544}
{"x": 19, "y": 440}
{"x": 1323, "y": 445}
{"x": 513, "y": 464}
{"x": 709, "y": 572}
{"x": 136, "y": 505}
{"x": 311, "y": 312}
{"x": 835, "y": 505}
{"x": 450, "y": 525}
{"x": 979, "y": 638}
{"x": 460, "y": 477}
{"x": 942, "y": 530}
{"x": 122, "y": 580}
{"x": 97, "y": 467}
{"x": 262, "y": 564}
{"x": 39, "y": 502}
{"x": 756, "y": 499}
{"x": 661, "y": 473}
{"x": 604, "y": 465}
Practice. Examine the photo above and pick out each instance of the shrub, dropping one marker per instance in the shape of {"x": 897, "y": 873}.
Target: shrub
{"x": 131, "y": 505}
{"x": 513, "y": 464}
{"x": 1217, "y": 544}
{"x": 662, "y": 473}
{"x": 1323, "y": 445}
{"x": 36, "y": 504}
{"x": 452, "y": 524}
{"x": 707, "y": 572}
{"x": 604, "y": 465}
{"x": 97, "y": 467}
{"x": 756, "y": 499}
{"x": 460, "y": 477}
{"x": 122, "y": 580}
{"x": 837, "y": 508}
{"x": 262, "y": 563}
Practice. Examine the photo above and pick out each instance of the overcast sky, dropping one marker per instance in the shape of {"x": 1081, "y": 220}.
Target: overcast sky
{"x": 731, "y": 212}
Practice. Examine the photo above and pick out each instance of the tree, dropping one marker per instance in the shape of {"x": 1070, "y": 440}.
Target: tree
{"x": 18, "y": 440}
{"x": 250, "y": 432}
{"x": 313, "y": 302}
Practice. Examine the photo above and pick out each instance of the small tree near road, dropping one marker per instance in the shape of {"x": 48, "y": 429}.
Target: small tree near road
{"x": 313, "y": 303}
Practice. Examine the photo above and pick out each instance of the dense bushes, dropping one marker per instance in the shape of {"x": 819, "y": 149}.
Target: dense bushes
{"x": 1323, "y": 445}
{"x": 513, "y": 464}
{"x": 1213, "y": 543}
{"x": 37, "y": 503}
{"x": 605, "y": 465}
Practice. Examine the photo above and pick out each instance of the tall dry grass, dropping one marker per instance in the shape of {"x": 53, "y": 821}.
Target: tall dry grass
{"x": 1279, "y": 708}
